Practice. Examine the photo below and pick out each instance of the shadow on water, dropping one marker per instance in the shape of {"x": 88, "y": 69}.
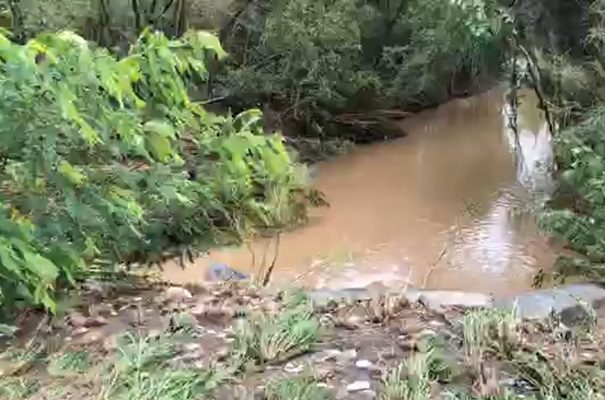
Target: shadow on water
{"x": 449, "y": 206}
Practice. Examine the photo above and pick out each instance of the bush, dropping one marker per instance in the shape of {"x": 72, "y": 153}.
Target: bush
{"x": 94, "y": 154}
{"x": 315, "y": 59}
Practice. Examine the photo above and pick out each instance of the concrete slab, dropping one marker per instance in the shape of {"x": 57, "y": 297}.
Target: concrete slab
{"x": 565, "y": 301}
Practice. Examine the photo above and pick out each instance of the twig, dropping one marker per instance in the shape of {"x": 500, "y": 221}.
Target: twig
{"x": 42, "y": 322}
{"x": 433, "y": 265}
{"x": 537, "y": 86}
{"x": 270, "y": 270}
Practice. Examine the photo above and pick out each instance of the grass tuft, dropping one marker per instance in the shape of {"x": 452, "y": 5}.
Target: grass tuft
{"x": 143, "y": 372}
{"x": 267, "y": 339}
{"x": 69, "y": 363}
{"x": 410, "y": 380}
{"x": 303, "y": 388}
{"x": 489, "y": 329}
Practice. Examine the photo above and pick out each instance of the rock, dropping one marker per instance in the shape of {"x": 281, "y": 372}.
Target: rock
{"x": 110, "y": 343}
{"x": 222, "y": 353}
{"x": 332, "y": 354}
{"x": 358, "y": 386}
{"x": 349, "y": 354}
{"x": 198, "y": 310}
{"x": 293, "y": 368}
{"x": 99, "y": 288}
{"x": 191, "y": 347}
{"x": 324, "y": 374}
{"x": 222, "y": 272}
{"x": 177, "y": 294}
{"x": 323, "y": 297}
{"x": 103, "y": 309}
{"x": 79, "y": 331}
{"x": 363, "y": 364}
{"x": 92, "y": 336}
{"x": 368, "y": 394}
{"x": 564, "y": 301}
{"x": 97, "y": 321}
{"x": 76, "y": 319}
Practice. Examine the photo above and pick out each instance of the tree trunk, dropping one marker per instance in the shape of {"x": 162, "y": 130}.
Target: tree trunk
{"x": 17, "y": 23}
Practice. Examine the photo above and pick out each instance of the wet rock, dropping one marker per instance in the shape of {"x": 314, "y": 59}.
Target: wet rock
{"x": 363, "y": 364}
{"x": 222, "y": 272}
{"x": 358, "y": 386}
{"x": 565, "y": 301}
{"x": 176, "y": 294}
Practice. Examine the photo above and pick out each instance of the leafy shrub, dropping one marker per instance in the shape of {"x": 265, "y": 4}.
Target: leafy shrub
{"x": 94, "y": 150}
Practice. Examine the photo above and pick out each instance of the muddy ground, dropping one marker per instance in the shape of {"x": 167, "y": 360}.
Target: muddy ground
{"x": 359, "y": 343}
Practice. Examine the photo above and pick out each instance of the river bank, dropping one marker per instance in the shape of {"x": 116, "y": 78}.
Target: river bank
{"x": 234, "y": 341}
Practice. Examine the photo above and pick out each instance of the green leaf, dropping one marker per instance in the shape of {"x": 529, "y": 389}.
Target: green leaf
{"x": 72, "y": 173}
{"x": 159, "y": 146}
{"x": 207, "y": 41}
{"x": 161, "y": 127}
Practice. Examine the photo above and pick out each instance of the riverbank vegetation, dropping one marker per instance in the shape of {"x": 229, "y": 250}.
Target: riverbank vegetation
{"x": 132, "y": 131}
{"x": 107, "y": 161}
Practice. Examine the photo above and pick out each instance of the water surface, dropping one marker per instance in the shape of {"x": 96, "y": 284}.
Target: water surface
{"x": 448, "y": 206}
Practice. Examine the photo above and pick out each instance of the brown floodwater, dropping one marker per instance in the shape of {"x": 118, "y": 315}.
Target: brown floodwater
{"x": 448, "y": 206}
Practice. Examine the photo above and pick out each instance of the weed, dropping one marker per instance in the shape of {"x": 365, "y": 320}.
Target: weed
{"x": 265, "y": 338}
{"x": 304, "y": 388}
{"x": 143, "y": 372}
{"x": 557, "y": 379}
{"x": 17, "y": 388}
{"x": 507, "y": 395}
{"x": 70, "y": 363}
{"x": 410, "y": 380}
{"x": 488, "y": 329}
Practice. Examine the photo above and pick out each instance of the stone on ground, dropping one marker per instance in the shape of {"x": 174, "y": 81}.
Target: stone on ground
{"x": 358, "y": 386}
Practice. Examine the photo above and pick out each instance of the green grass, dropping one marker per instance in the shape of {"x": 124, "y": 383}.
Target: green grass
{"x": 17, "y": 388}
{"x": 69, "y": 363}
{"x": 304, "y": 388}
{"x": 143, "y": 372}
{"x": 410, "y": 380}
{"x": 488, "y": 330}
{"x": 266, "y": 339}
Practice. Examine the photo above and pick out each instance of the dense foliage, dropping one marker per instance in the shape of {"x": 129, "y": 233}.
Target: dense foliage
{"x": 107, "y": 160}
{"x": 572, "y": 70}
{"x": 313, "y": 60}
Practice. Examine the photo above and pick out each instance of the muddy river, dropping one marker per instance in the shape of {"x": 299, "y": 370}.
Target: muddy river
{"x": 448, "y": 206}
